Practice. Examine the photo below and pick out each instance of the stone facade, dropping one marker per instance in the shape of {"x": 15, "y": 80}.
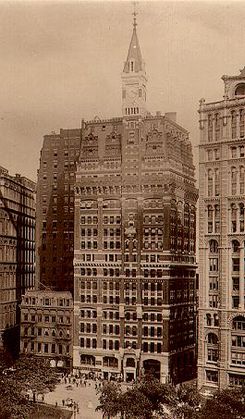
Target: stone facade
{"x": 17, "y": 249}
{"x": 134, "y": 241}
{"x": 47, "y": 326}
{"x": 55, "y": 210}
{"x": 221, "y": 345}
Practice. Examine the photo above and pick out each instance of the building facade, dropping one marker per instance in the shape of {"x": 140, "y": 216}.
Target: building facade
{"x": 134, "y": 244}
{"x": 17, "y": 249}
{"x": 221, "y": 292}
{"x": 55, "y": 210}
{"x": 47, "y": 326}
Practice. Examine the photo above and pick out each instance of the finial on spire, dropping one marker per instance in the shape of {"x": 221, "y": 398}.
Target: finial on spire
{"x": 134, "y": 14}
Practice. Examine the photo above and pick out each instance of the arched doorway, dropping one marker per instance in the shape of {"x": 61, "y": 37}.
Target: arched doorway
{"x": 152, "y": 366}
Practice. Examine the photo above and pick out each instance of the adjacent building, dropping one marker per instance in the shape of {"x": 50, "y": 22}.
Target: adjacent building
{"x": 134, "y": 240}
{"x": 55, "y": 210}
{"x": 221, "y": 351}
{"x": 17, "y": 250}
{"x": 47, "y": 326}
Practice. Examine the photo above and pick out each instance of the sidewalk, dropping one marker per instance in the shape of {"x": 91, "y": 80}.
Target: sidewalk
{"x": 86, "y": 397}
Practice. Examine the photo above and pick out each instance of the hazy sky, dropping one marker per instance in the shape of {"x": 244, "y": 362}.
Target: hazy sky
{"x": 62, "y": 61}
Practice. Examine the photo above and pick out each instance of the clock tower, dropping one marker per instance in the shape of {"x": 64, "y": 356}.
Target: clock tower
{"x": 134, "y": 79}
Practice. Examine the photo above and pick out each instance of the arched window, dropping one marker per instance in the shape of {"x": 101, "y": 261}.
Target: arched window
{"x": 213, "y": 246}
{"x": 212, "y": 338}
{"x": 240, "y": 89}
{"x": 238, "y": 323}
{"x": 235, "y": 246}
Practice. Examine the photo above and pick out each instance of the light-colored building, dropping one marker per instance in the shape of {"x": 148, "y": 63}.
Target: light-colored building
{"x": 47, "y": 326}
{"x": 221, "y": 346}
{"x": 17, "y": 250}
{"x": 134, "y": 240}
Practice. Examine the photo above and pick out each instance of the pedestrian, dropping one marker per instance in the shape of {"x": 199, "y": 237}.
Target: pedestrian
{"x": 56, "y": 404}
{"x": 63, "y": 402}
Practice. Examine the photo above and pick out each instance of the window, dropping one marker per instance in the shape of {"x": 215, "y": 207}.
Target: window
{"x": 235, "y": 264}
{"x": 212, "y": 376}
{"x": 233, "y": 124}
{"x": 240, "y": 89}
{"x": 213, "y": 283}
{"x": 233, "y": 181}
{"x": 210, "y": 127}
{"x": 235, "y": 283}
{"x": 213, "y": 246}
{"x": 213, "y": 264}
{"x": 235, "y": 246}
{"x": 210, "y": 182}
{"x": 235, "y": 302}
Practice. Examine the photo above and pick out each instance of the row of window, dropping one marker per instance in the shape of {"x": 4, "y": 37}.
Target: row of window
{"x": 88, "y": 327}
{"x": 88, "y": 232}
{"x": 47, "y": 348}
{"x": 153, "y": 219}
{"x": 152, "y": 331}
{"x": 38, "y": 331}
{"x": 152, "y": 347}
{"x": 90, "y": 314}
{"x": 47, "y": 318}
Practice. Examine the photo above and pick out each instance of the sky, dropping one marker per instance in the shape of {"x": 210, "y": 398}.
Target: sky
{"x": 62, "y": 61}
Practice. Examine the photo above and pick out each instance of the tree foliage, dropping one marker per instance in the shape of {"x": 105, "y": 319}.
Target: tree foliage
{"x": 27, "y": 373}
{"x": 225, "y": 404}
{"x": 110, "y": 399}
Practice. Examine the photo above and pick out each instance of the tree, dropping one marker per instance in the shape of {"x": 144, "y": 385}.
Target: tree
{"x": 225, "y": 404}
{"x": 110, "y": 399}
{"x": 187, "y": 402}
{"x": 35, "y": 374}
{"x": 27, "y": 373}
{"x": 143, "y": 401}
{"x": 136, "y": 405}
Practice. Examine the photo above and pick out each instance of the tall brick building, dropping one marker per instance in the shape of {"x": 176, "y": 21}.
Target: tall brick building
{"x": 134, "y": 244}
{"x": 17, "y": 250}
{"x": 55, "y": 210}
{"x": 221, "y": 349}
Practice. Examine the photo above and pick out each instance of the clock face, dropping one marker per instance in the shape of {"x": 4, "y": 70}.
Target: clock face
{"x": 133, "y": 95}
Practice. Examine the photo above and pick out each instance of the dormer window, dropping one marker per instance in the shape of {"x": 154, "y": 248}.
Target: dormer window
{"x": 240, "y": 89}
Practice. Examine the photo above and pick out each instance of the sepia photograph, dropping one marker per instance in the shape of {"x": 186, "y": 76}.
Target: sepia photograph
{"x": 122, "y": 208}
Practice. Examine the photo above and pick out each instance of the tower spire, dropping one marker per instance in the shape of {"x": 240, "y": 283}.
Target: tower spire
{"x": 134, "y": 76}
{"x": 134, "y": 15}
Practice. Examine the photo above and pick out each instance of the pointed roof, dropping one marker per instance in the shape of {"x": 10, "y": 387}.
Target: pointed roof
{"x": 134, "y": 53}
